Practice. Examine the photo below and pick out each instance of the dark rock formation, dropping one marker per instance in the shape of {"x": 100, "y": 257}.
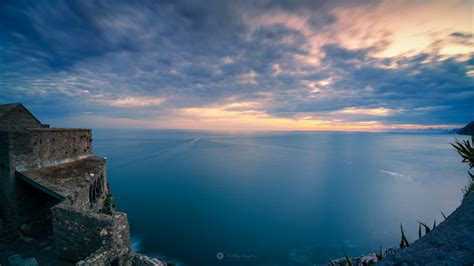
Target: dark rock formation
{"x": 467, "y": 130}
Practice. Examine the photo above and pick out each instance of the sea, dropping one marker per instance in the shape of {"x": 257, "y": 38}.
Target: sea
{"x": 277, "y": 198}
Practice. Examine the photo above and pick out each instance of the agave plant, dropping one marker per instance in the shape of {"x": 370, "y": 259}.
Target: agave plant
{"x": 444, "y": 216}
{"x": 379, "y": 254}
{"x": 466, "y": 151}
{"x": 427, "y": 228}
{"x": 347, "y": 260}
{"x": 404, "y": 242}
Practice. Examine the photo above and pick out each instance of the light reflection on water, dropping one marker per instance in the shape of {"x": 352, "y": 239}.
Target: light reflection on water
{"x": 280, "y": 198}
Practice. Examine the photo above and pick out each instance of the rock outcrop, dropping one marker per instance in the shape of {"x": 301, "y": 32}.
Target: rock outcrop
{"x": 467, "y": 130}
{"x": 450, "y": 243}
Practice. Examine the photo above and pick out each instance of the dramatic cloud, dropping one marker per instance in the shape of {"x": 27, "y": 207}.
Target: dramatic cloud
{"x": 303, "y": 65}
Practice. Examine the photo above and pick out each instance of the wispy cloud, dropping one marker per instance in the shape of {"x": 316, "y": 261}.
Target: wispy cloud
{"x": 329, "y": 65}
{"x": 380, "y": 111}
{"x": 131, "y": 101}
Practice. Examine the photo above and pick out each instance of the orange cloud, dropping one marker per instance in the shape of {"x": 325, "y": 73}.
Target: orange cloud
{"x": 394, "y": 28}
{"x": 241, "y": 122}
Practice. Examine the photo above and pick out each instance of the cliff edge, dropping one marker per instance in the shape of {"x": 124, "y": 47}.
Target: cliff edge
{"x": 450, "y": 243}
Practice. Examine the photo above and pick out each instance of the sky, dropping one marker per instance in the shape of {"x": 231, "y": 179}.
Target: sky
{"x": 240, "y": 65}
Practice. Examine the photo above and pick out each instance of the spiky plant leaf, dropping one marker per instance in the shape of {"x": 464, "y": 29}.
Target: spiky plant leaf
{"x": 434, "y": 224}
{"x": 427, "y": 228}
{"x": 404, "y": 242}
{"x": 419, "y": 231}
{"x": 347, "y": 260}
{"x": 379, "y": 254}
{"x": 444, "y": 216}
{"x": 466, "y": 151}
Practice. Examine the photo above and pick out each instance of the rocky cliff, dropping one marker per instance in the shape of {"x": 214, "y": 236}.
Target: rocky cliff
{"x": 450, "y": 243}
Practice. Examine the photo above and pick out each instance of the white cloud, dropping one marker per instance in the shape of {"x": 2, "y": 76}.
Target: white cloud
{"x": 380, "y": 111}
{"x": 131, "y": 101}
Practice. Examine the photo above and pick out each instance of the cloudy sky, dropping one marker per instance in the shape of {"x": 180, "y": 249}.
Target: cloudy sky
{"x": 273, "y": 65}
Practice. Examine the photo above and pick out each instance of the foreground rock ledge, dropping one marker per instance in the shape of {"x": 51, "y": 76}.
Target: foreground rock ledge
{"x": 450, "y": 243}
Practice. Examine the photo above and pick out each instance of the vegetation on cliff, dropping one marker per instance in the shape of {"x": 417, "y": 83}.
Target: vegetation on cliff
{"x": 465, "y": 149}
{"x": 109, "y": 205}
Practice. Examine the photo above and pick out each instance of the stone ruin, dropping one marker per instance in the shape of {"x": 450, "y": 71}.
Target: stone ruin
{"x": 50, "y": 175}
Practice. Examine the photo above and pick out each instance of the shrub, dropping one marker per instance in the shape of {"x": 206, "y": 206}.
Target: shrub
{"x": 109, "y": 205}
{"x": 466, "y": 151}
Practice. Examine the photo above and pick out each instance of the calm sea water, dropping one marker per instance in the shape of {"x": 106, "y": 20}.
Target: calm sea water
{"x": 200, "y": 198}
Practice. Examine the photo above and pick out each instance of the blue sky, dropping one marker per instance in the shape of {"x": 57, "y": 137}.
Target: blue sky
{"x": 282, "y": 65}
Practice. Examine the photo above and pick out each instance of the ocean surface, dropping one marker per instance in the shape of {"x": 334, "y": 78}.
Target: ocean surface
{"x": 277, "y": 198}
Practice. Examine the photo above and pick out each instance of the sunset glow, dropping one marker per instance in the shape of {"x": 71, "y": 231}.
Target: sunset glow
{"x": 361, "y": 66}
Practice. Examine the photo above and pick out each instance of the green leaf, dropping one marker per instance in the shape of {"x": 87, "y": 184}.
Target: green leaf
{"x": 348, "y": 261}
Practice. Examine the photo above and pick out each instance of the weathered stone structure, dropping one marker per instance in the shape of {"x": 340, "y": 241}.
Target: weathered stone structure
{"x": 50, "y": 174}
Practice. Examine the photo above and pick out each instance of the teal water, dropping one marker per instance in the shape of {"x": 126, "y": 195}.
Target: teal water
{"x": 202, "y": 198}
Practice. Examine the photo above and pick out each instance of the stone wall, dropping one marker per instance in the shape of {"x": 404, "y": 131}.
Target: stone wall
{"x": 79, "y": 234}
{"x": 35, "y": 148}
{"x": 81, "y": 199}
{"x": 82, "y": 234}
{"x": 5, "y": 184}
{"x": 117, "y": 250}
{"x": 120, "y": 238}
